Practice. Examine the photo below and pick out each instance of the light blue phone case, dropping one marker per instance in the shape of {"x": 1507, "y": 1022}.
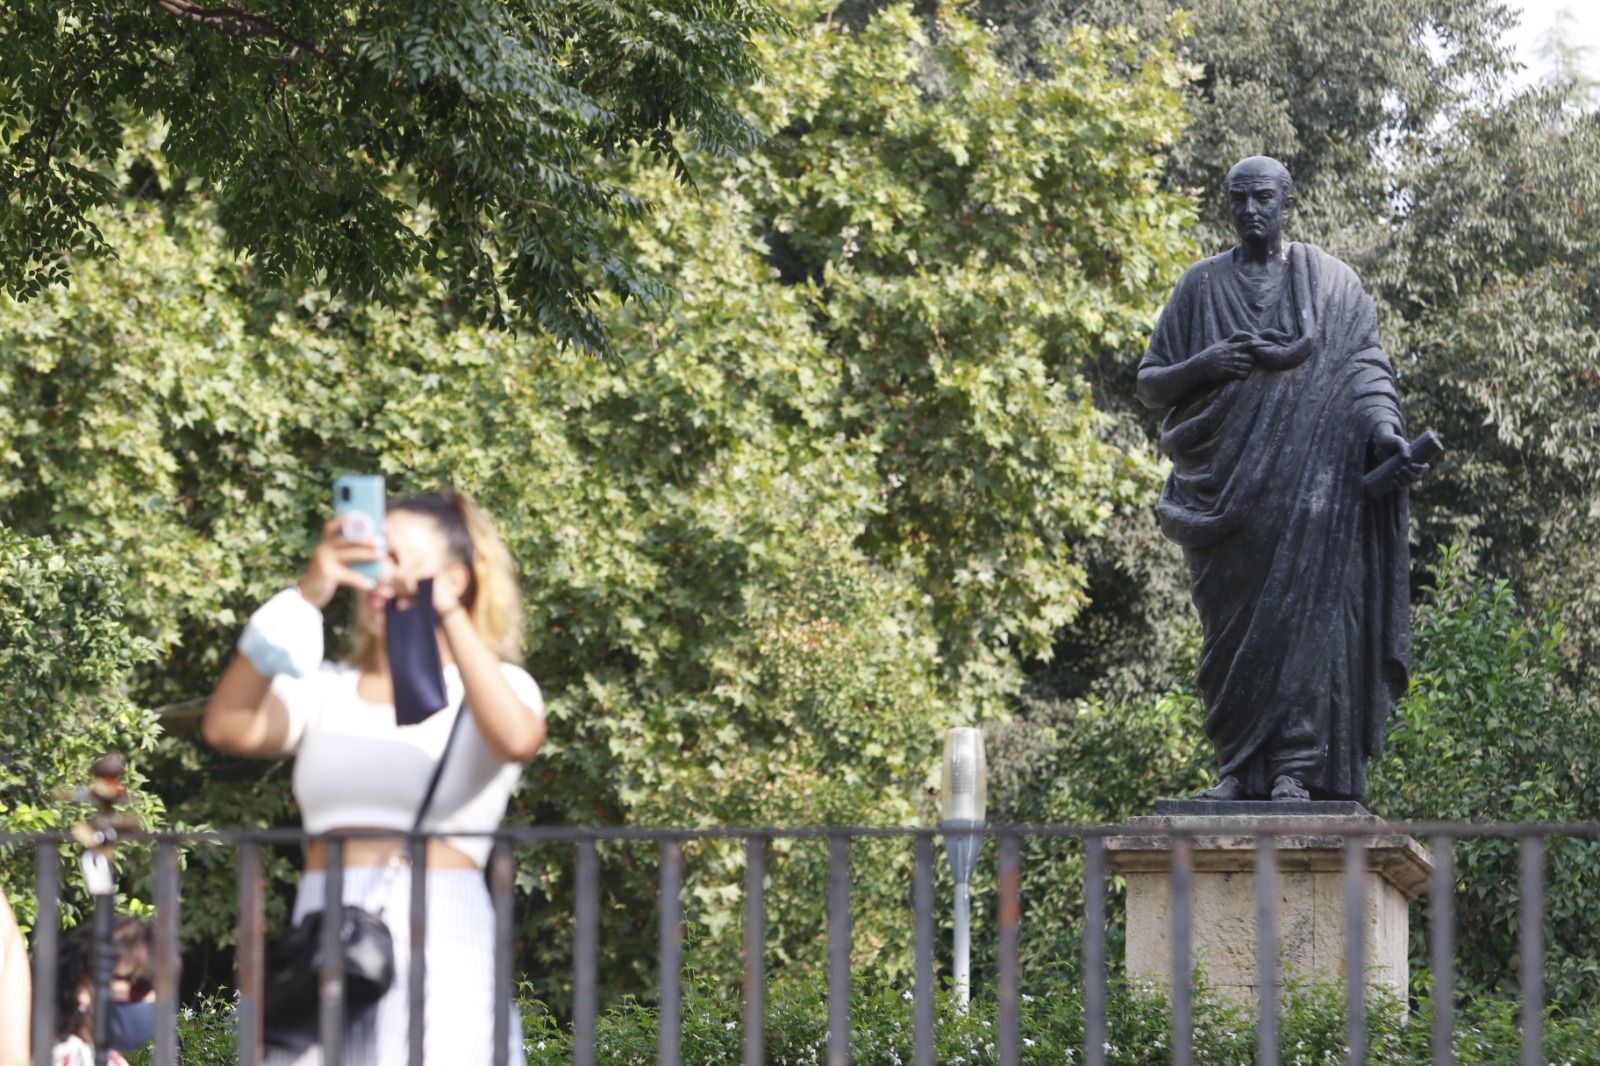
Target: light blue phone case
{"x": 358, "y": 499}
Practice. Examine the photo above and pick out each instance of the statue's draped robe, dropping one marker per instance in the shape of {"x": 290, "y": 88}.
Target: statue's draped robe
{"x": 1299, "y": 578}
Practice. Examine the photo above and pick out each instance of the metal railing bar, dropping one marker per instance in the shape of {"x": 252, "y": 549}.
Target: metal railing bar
{"x": 104, "y": 921}
{"x": 502, "y": 871}
{"x": 1182, "y": 956}
{"x": 1531, "y": 936}
{"x": 1442, "y": 949}
{"x": 922, "y": 920}
{"x": 1355, "y": 957}
{"x": 530, "y": 835}
{"x": 1267, "y": 951}
{"x": 1094, "y": 952}
{"x": 584, "y": 1005}
{"x": 331, "y": 981}
{"x": 249, "y": 952}
{"x": 839, "y": 950}
{"x": 1009, "y": 928}
{"x": 46, "y": 948}
{"x": 166, "y": 955}
{"x": 755, "y": 951}
{"x": 417, "y": 971}
{"x": 669, "y": 955}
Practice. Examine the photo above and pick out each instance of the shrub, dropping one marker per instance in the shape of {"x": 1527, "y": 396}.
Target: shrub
{"x": 1492, "y": 730}
{"x": 1138, "y": 1030}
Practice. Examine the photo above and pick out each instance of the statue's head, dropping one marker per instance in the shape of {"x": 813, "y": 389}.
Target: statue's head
{"x": 1260, "y": 193}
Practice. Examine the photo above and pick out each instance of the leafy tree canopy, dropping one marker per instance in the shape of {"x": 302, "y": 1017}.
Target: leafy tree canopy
{"x": 1494, "y": 318}
{"x": 356, "y": 141}
{"x": 805, "y": 522}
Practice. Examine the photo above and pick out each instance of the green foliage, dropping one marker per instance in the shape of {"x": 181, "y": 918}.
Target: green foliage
{"x": 357, "y": 142}
{"x": 977, "y": 236}
{"x": 1491, "y": 731}
{"x": 1496, "y": 322}
{"x": 804, "y": 524}
{"x": 1087, "y": 762}
{"x": 1138, "y": 1028}
{"x": 65, "y": 650}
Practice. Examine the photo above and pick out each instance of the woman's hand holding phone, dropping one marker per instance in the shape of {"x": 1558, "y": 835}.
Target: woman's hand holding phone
{"x": 330, "y": 565}
{"x": 409, "y": 572}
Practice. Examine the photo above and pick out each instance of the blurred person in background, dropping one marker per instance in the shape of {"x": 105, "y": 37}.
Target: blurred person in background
{"x": 131, "y": 1022}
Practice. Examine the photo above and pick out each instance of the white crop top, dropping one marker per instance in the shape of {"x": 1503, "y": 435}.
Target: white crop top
{"x": 354, "y": 768}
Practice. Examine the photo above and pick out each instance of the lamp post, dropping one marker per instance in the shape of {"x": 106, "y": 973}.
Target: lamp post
{"x": 965, "y": 797}
{"x": 99, "y": 834}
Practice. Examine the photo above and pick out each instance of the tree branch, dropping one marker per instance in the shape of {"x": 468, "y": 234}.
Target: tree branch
{"x": 288, "y": 125}
{"x": 58, "y": 114}
{"x": 237, "y": 22}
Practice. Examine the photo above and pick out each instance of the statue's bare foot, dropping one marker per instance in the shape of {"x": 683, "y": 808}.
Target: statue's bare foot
{"x": 1229, "y": 788}
{"x": 1287, "y": 788}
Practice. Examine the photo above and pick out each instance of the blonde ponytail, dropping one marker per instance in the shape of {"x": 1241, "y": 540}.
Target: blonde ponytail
{"x": 497, "y": 601}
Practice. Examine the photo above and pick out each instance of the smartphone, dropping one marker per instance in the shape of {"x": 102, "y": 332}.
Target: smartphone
{"x": 358, "y": 499}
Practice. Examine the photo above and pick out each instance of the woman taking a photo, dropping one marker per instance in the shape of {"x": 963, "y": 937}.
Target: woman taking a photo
{"x": 434, "y": 634}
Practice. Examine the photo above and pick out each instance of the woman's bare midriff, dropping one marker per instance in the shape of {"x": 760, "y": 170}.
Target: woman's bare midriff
{"x": 379, "y": 851}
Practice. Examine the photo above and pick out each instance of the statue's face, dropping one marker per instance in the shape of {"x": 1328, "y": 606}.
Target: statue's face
{"x": 1259, "y": 205}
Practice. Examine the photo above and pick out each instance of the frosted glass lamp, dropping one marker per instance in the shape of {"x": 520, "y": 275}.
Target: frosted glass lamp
{"x": 964, "y": 802}
{"x": 965, "y": 793}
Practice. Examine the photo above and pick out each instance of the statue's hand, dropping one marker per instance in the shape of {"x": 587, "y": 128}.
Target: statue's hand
{"x": 1226, "y": 360}
{"x": 1271, "y": 348}
{"x": 1387, "y": 443}
{"x": 1409, "y": 473}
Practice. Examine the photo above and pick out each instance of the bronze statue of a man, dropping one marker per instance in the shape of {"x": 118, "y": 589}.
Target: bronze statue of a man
{"x": 1279, "y": 403}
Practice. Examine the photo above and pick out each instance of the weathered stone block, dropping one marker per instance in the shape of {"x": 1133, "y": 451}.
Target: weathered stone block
{"x": 1311, "y": 918}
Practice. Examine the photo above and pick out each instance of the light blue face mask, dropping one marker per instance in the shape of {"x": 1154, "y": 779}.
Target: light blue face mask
{"x": 130, "y": 1025}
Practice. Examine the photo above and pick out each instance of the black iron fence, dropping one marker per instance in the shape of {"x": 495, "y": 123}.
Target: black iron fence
{"x": 1531, "y": 838}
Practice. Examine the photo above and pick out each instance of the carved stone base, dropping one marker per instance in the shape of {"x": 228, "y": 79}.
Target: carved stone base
{"x": 1311, "y": 919}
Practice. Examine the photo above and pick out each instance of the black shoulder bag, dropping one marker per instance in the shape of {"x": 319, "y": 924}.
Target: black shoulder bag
{"x": 291, "y": 999}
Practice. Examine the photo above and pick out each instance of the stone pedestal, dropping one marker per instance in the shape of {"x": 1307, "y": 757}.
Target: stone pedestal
{"x": 1311, "y": 919}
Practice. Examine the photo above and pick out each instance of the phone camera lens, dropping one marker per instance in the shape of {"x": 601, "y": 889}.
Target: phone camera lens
{"x": 344, "y": 493}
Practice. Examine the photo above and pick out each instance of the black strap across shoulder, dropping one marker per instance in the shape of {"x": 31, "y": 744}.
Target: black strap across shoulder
{"x": 438, "y": 771}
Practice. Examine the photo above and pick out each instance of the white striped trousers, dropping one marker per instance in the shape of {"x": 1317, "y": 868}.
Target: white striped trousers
{"x": 460, "y": 977}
